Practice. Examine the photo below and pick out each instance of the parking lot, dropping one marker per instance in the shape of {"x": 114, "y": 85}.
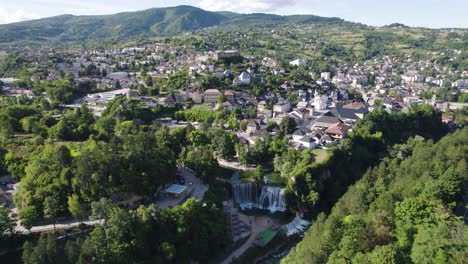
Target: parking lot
{"x": 195, "y": 189}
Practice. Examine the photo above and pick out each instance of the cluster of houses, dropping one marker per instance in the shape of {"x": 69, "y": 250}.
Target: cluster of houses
{"x": 315, "y": 127}
{"x": 394, "y": 82}
{"x": 400, "y": 83}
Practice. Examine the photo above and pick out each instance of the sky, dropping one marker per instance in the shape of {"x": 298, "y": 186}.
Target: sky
{"x": 422, "y": 13}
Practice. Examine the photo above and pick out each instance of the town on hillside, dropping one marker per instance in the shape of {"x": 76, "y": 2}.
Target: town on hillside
{"x": 231, "y": 146}
{"x": 324, "y": 105}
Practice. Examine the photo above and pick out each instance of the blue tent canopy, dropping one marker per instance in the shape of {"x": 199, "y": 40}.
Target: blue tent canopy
{"x": 176, "y": 189}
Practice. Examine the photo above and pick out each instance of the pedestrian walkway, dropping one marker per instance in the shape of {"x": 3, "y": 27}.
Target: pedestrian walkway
{"x": 258, "y": 224}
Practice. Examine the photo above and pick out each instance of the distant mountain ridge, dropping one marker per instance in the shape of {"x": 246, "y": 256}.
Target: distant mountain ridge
{"x": 152, "y": 22}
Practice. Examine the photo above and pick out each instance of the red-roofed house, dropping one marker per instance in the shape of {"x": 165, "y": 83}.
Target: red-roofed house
{"x": 338, "y": 130}
{"x": 229, "y": 95}
{"x": 226, "y": 106}
{"x": 355, "y": 105}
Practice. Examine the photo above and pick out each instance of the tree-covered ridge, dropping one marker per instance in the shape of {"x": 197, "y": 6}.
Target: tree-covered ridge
{"x": 141, "y": 24}
{"x": 401, "y": 211}
{"x": 147, "y": 23}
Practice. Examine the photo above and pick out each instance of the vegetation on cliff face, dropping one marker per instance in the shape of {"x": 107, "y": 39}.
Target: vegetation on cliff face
{"x": 401, "y": 211}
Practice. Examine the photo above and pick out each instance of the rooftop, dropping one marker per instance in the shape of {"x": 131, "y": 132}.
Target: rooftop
{"x": 265, "y": 237}
{"x": 212, "y": 91}
{"x": 176, "y": 189}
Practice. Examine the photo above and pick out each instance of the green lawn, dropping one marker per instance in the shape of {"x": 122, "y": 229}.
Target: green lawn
{"x": 275, "y": 178}
{"x": 247, "y": 176}
{"x": 321, "y": 155}
{"x": 202, "y": 107}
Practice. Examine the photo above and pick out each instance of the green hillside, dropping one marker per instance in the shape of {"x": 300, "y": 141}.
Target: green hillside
{"x": 147, "y": 23}
{"x": 401, "y": 211}
{"x": 153, "y": 22}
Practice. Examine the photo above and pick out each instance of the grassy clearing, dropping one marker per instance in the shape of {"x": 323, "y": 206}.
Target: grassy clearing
{"x": 247, "y": 176}
{"x": 202, "y": 107}
{"x": 275, "y": 178}
{"x": 321, "y": 155}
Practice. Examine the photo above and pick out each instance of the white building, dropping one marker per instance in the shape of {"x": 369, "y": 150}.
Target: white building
{"x": 412, "y": 77}
{"x": 244, "y": 78}
{"x": 298, "y": 134}
{"x": 462, "y": 83}
{"x": 326, "y": 76}
{"x": 298, "y": 62}
{"x": 307, "y": 142}
{"x": 320, "y": 101}
{"x": 8, "y": 80}
{"x": 282, "y": 107}
{"x": 412, "y": 100}
{"x": 321, "y": 81}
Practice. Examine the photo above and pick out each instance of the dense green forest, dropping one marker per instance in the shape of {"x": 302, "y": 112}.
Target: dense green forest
{"x": 63, "y": 178}
{"x": 69, "y": 168}
{"x": 192, "y": 231}
{"x": 401, "y": 211}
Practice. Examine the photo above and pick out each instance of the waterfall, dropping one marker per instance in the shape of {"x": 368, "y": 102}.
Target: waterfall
{"x": 248, "y": 197}
{"x": 272, "y": 199}
{"x": 297, "y": 225}
{"x": 245, "y": 194}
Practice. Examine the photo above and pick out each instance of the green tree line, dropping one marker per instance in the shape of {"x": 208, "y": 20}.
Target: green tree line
{"x": 401, "y": 211}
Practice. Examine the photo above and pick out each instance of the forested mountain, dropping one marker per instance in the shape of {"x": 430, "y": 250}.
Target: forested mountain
{"x": 147, "y": 23}
{"x": 401, "y": 211}
{"x": 141, "y": 24}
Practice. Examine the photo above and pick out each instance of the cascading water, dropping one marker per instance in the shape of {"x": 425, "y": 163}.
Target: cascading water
{"x": 245, "y": 194}
{"x": 297, "y": 225}
{"x": 270, "y": 198}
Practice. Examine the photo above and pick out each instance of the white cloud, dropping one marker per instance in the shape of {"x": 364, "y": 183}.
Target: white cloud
{"x": 19, "y": 15}
{"x": 245, "y": 6}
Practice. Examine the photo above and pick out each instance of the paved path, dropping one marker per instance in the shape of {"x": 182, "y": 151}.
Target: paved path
{"x": 242, "y": 249}
{"x": 258, "y": 225}
{"x": 59, "y": 226}
{"x": 63, "y": 225}
{"x": 234, "y": 165}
